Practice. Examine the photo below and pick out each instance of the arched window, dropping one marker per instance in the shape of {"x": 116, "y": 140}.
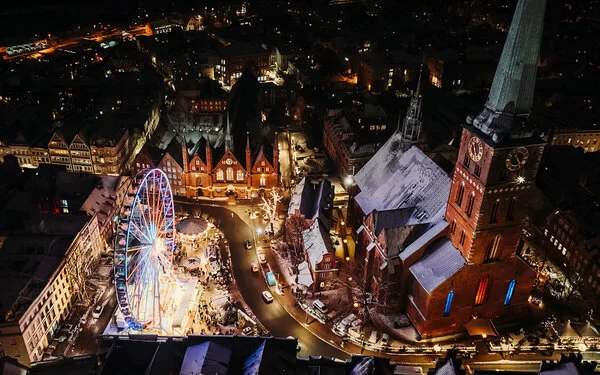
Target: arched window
{"x": 453, "y": 227}
{"x": 509, "y": 292}
{"x": 219, "y": 175}
{"x": 240, "y": 175}
{"x": 229, "y": 174}
{"x": 470, "y": 204}
{"x": 492, "y": 249}
{"x": 511, "y": 209}
{"x": 448, "y": 303}
{"x": 459, "y": 194}
{"x": 461, "y": 240}
{"x": 482, "y": 290}
{"x": 494, "y": 211}
{"x": 263, "y": 181}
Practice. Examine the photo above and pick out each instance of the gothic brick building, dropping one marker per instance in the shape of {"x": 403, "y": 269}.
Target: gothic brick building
{"x": 447, "y": 250}
{"x": 215, "y": 171}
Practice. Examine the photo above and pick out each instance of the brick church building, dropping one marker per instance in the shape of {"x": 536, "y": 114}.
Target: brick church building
{"x": 202, "y": 169}
{"x": 444, "y": 249}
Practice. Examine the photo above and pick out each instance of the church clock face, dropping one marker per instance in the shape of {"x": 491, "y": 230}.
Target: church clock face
{"x": 516, "y": 158}
{"x": 475, "y": 149}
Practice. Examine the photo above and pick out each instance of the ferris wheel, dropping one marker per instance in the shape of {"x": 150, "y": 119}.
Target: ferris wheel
{"x": 143, "y": 251}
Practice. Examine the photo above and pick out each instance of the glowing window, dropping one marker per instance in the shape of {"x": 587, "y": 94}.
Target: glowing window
{"x": 481, "y": 290}
{"x": 448, "y": 303}
{"x": 509, "y": 292}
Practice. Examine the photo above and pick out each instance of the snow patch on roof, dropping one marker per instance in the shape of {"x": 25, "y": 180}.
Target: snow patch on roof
{"x": 423, "y": 240}
{"x": 393, "y": 180}
{"x": 441, "y": 261}
{"x": 316, "y": 243}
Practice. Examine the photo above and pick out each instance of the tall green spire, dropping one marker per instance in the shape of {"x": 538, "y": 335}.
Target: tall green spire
{"x": 511, "y": 96}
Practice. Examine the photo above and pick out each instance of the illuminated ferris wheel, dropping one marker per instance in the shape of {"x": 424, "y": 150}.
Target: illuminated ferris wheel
{"x": 144, "y": 245}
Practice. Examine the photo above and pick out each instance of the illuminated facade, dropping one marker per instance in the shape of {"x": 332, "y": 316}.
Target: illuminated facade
{"x": 215, "y": 171}
{"x": 588, "y": 140}
{"x": 103, "y": 150}
{"x": 54, "y": 259}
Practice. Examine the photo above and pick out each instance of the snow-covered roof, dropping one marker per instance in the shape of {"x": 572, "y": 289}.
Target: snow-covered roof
{"x": 296, "y": 198}
{"x": 102, "y": 199}
{"x": 423, "y": 239}
{"x": 316, "y": 243}
{"x": 441, "y": 261}
{"x": 304, "y": 275}
{"x": 192, "y": 226}
{"x": 393, "y": 180}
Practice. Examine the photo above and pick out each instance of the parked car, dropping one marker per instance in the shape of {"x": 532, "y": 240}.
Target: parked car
{"x": 83, "y": 319}
{"x": 98, "y": 311}
{"x": 385, "y": 338}
{"x": 262, "y": 259}
{"x": 373, "y": 338}
{"x": 267, "y": 296}
{"x": 248, "y": 244}
{"x": 317, "y": 304}
{"x": 254, "y": 267}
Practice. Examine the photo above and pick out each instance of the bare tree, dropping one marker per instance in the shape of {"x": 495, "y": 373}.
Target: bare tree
{"x": 294, "y": 226}
{"x": 269, "y": 206}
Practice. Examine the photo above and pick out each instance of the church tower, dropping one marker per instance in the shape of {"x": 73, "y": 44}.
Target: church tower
{"x": 476, "y": 270}
{"x": 411, "y": 126}
{"x": 498, "y": 158}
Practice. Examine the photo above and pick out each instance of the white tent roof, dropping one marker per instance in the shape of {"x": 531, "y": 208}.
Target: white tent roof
{"x": 192, "y": 226}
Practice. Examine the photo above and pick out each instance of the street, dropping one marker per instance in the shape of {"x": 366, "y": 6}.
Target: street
{"x": 251, "y": 284}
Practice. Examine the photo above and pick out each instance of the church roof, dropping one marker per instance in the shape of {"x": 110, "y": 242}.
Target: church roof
{"x": 264, "y": 148}
{"x": 199, "y": 149}
{"x": 394, "y": 180}
{"x": 174, "y": 149}
{"x": 441, "y": 261}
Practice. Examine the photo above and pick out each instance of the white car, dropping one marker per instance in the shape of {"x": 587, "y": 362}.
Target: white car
{"x": 267, "y": 296}
{"x": 254, "y": 267}
{"x": 262, "y": 258}
{"x": 98, "y": 311}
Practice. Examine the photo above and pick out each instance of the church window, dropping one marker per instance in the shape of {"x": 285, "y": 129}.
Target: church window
{"x": 229, "y": 174}
{"x": 511, "y": 208}
{"x": 459, "y": 194}
{"x": 263, "y": 182}
{"x": 453, "y": 227}
{"x": 481, "y": 290}
{"x": 219, "y": 175}
{"x": 494, "y": 211}
{"x": 467, "y": 161}
{"x": 448, "y": 303}
{"x": 240, "y": 175}
{"x": 477, "y": 170}
{"x": 262, "y": 163}
{"x": 197, "y": 162}
{"x": 463, "y": 235}
{"x": 470, "y": 204}
{"x": 509, "y": 292}
{"x": 492, "y": 249}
